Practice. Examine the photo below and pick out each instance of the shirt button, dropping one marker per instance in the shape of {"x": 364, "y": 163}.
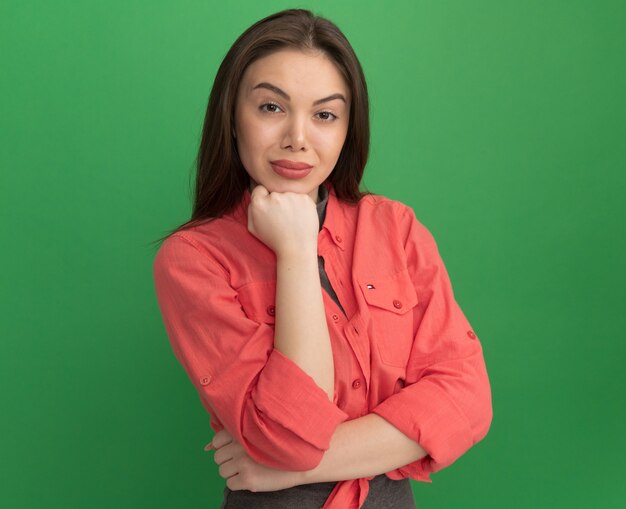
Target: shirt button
{"x": 471, "y": 334}
{"x": 205, "y": 380}
{"x": 338, "y": 238}
{"x": 271, "y": 310}
{"x": 335, "y": 317}
{"x": 356, "y": 384}
{"x": 397, "y": 304}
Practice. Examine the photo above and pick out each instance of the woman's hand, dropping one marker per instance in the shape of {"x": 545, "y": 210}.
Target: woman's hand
{"x": 286, "y": 222}
{"x": 242, "y": 472}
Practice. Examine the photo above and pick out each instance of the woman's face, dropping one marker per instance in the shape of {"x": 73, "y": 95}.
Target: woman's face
{"x": 292, "y": 107}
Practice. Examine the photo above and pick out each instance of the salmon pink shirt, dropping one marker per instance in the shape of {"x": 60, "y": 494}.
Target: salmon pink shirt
{"x": 403, "y": 349}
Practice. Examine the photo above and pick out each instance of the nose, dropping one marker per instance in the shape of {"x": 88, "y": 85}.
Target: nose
{"x": 294, "y": 137}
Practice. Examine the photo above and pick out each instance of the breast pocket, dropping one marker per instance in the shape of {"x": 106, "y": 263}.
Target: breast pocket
{"x": 390, "y": 300}
{"x": 258, "y": 301}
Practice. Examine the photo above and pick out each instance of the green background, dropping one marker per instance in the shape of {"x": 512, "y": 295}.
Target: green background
{"x": 501, "y": 123}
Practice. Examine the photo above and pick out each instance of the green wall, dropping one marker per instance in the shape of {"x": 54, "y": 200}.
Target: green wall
{"x": 501, "y": 123}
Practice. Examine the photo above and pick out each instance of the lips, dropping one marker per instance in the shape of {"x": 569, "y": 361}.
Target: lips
{"x": 291, "y": 165}
{"x": 280, "y": 168}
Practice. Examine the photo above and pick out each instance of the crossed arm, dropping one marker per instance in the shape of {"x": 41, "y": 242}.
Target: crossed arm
{"x": 362, "y": 447}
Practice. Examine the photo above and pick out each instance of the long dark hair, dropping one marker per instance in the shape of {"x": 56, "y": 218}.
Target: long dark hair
{"x": 221, "y": 179}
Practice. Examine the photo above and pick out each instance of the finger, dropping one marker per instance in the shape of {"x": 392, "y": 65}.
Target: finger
{"x": 234, "y": 483}
{"x": 228, "y": 469}
{"x": 221, "y": 439}
{"x": 209, "y": 446}
{"x": 223, "y": 455}
{"x": 259, "y": 191}
{"x": 231, "y": 451}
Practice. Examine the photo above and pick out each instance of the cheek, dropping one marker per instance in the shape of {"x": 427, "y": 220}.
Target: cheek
{"x": 330, "y": 143}
{"x": 257, "y": 136}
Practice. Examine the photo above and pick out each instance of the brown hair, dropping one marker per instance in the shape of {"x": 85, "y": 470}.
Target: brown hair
{"x": 221, "y": 178}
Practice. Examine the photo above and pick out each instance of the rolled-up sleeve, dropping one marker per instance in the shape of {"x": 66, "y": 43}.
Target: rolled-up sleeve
{"x": 445, "y": 405}
{"x": 273, "y": 408}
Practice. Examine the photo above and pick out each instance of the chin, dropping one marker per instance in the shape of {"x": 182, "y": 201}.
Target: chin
{"x": 287, "y": 186}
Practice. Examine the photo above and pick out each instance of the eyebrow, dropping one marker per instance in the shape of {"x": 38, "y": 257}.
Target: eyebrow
{"x": 284, "y": 94}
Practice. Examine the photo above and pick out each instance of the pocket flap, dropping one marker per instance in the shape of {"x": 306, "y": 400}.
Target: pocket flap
{"x": 394, "y": 293}
{"x": 258, "y": 301}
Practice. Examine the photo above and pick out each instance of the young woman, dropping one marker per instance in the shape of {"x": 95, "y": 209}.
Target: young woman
{"x": 317, "y": 322}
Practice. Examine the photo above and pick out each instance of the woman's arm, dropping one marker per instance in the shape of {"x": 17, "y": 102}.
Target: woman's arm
{"x": 276, "y": 410}
{"x": 362, "y": 447}
{"x": 288, "y": 224}
{"x": 301, "y": 331}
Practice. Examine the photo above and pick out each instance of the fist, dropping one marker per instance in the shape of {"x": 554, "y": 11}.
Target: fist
{"x": 285, "y": 222}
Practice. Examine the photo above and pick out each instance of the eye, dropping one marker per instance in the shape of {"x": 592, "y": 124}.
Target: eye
{"x": 327, "y": 116}
{"x": 271, "y": 108}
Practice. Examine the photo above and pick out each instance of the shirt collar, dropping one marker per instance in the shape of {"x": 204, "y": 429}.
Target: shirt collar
{"x": 334, "y": 220}
{"x": 321, "y": 205}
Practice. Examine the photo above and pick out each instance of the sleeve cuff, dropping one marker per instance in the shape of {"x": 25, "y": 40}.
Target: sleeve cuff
{"x": 434, "y": 422}
{"x": 292, "y": 398}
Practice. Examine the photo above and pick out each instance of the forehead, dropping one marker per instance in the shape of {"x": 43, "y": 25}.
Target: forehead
{"x": 297, "y": 72}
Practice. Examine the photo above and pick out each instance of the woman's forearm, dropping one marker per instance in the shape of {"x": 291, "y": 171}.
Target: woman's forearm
{"x": 301, "y": 331}
{"x": 369, "y": 445}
